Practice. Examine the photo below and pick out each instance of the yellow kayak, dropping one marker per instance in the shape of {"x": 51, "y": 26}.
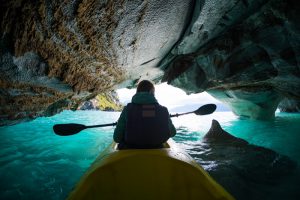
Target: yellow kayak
{"x": 166, "y": 173}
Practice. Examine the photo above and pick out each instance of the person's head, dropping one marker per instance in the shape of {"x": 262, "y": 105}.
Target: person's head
{"x": 145, "y": 86}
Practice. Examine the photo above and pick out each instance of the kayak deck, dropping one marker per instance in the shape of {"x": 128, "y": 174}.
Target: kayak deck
{"x": 167, "y": 173}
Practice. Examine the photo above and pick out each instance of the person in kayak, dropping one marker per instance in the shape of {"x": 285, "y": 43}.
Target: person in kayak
{"x": 143, "y": 123}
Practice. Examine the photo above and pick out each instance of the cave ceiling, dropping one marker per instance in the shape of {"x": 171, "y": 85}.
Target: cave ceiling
{"x": 57, "y": 54}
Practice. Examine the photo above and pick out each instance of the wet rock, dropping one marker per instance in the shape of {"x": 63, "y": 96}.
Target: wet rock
{"x": 257, "y": 102}
{"x": 289, "y": 105}
{"x": 87, "y": 105}
{"x": 217, "y": 134}
{"x": 247, "y": 171}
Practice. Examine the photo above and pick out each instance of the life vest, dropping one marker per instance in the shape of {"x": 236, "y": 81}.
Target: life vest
{"x": 147, "y": 125}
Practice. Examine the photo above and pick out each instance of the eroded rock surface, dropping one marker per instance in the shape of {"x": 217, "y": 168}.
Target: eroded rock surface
{"x": 245, "y": 53}
{"x": 289, "y": 105}
{"x": 56, "y": 54}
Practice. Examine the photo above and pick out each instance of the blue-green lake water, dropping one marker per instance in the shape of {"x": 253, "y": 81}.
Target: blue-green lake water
{"x": 37, "y": 164}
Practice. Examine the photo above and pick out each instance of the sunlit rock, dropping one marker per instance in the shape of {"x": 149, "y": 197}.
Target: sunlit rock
{"x": 106, "y": 101}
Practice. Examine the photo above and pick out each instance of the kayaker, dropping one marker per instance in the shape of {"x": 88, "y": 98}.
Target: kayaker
{"x": 144, "y": 123}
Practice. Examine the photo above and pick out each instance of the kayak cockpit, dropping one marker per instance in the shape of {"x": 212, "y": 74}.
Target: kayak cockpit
{"x": 166, "y": 173}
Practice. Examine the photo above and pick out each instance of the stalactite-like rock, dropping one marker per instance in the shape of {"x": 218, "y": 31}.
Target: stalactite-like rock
{"x": 56, "y": 54}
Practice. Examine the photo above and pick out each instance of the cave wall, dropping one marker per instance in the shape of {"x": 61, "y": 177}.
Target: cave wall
{"x": 246, "y": 55}
{"x": 56, "y": 54}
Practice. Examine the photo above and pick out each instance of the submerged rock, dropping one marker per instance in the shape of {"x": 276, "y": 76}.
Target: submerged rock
{"x": 217, "y": 134}
{"x": 242, "y": 167}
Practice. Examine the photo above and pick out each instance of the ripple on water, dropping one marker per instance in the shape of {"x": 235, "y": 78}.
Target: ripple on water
{"x": 37, "y": 164}
{"x": 247, "y": 172}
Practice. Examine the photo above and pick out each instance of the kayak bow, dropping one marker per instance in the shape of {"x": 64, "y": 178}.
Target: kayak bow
{"x": 167, "y": 173}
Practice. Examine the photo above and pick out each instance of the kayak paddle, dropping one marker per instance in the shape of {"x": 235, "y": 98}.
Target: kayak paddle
{"x": 203, "y": 110}
{"x": 71, "y": 129}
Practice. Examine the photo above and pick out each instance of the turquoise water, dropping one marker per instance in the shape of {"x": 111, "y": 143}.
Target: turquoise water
{"x": 37, "y": 164}
{"x": 248, "y": 172}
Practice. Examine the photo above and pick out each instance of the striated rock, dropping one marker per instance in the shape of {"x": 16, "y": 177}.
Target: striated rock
{"x": 57, "y": 54}
{"x": 289, "y": 105}
{"x": 253, "y": 102}
{"x": 245, "y": 53}
{"x": 27, "y": 92}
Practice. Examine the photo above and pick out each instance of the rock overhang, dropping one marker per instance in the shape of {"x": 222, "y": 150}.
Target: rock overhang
{"x": 251, "y": 53}
{"x": 57, "y": 54}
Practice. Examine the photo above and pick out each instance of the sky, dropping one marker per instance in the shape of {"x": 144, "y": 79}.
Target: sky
{"x": 173, "y": 98}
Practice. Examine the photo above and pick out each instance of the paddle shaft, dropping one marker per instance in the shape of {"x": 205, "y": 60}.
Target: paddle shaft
{"x": 71, "y": 129}
{"x": 115, "y": 123}
{"x": 177, "y": 115}
{"x": 101, "y": 125}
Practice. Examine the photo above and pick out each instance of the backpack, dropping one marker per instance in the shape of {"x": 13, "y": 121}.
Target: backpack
{"x": 147, "y": 125}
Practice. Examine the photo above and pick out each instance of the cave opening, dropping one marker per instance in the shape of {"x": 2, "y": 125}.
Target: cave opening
{"x": 175, "y": 99}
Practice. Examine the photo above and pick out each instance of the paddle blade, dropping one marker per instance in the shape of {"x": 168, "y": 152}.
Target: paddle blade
{"x": 68, "y": 129}
{"x": 206, "y": 109}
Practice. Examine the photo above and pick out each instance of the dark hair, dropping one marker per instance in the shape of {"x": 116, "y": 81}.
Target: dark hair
{"x": 145, "y": 86}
